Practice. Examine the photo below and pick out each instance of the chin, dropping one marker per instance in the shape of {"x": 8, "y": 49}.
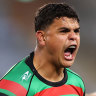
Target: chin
{"x": 67, "y": 64}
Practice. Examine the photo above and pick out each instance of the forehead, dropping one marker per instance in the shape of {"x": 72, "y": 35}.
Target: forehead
{"x": 65, "y": 22}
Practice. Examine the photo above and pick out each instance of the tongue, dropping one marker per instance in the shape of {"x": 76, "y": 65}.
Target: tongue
{"x": 67, "y": 53}
{"x": 68, "y": 56}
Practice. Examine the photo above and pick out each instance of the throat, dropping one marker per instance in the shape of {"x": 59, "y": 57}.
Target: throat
{"x": 51, "y": 76}
{"x": 47, "y": 69}
{"x": 50, "y": 73}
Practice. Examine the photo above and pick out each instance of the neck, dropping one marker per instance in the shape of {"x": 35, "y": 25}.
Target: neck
{"x": 45, "y": 68}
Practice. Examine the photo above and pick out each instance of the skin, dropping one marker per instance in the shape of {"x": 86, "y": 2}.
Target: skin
{"x": 91, "y": 94}
{"x": 51, "y": 44}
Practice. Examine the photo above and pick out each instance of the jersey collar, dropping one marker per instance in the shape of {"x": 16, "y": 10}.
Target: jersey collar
{"x": 29, "y": 62}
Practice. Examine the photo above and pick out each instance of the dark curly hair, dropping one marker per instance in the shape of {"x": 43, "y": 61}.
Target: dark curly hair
{"x": 49, "y": 12}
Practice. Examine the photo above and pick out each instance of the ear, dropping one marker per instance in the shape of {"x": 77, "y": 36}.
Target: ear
{"x": 40, "y": 37}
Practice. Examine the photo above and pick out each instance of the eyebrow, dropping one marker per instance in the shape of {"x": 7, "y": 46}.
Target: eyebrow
{"x": 62, "y": 28}
{"x": 77, "y": 28}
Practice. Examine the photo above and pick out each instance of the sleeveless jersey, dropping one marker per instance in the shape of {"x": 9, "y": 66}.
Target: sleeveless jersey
{"x": 24, "y": 80}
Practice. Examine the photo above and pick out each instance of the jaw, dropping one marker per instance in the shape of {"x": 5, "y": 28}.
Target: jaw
{"x": 67, "y": 64}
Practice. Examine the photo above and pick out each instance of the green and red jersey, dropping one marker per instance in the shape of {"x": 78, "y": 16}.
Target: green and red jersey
{"x": 23, "y": 80}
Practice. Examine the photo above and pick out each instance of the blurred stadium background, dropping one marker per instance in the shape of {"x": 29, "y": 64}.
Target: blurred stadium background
{"x": 17, "y": 36}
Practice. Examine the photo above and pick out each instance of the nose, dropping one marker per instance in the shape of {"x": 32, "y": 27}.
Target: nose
{"x": 72, "y": 36}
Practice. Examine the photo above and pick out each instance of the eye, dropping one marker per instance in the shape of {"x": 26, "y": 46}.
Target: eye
{"x": 65, "y": 30}
{"x": 77, "y": 30}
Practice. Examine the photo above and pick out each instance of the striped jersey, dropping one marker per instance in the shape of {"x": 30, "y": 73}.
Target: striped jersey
{"x": 24, "y": 80}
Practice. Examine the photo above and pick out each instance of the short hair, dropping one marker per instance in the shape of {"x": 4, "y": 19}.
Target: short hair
{"x": 46, "y": 14}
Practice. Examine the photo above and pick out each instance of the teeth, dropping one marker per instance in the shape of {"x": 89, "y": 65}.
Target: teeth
{"x": 72, "y": 46}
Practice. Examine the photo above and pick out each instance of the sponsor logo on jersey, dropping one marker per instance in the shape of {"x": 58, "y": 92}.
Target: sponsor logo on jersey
{"x": 26, "y": 75}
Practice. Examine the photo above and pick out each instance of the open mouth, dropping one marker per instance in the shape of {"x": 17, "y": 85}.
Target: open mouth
{"x": 69, "y": 52}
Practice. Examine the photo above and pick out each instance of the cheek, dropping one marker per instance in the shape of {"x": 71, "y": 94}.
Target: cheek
{"x": 78, "y": 41}
{"x": 54, "y": 44}
{"x": 58, "y": 41}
